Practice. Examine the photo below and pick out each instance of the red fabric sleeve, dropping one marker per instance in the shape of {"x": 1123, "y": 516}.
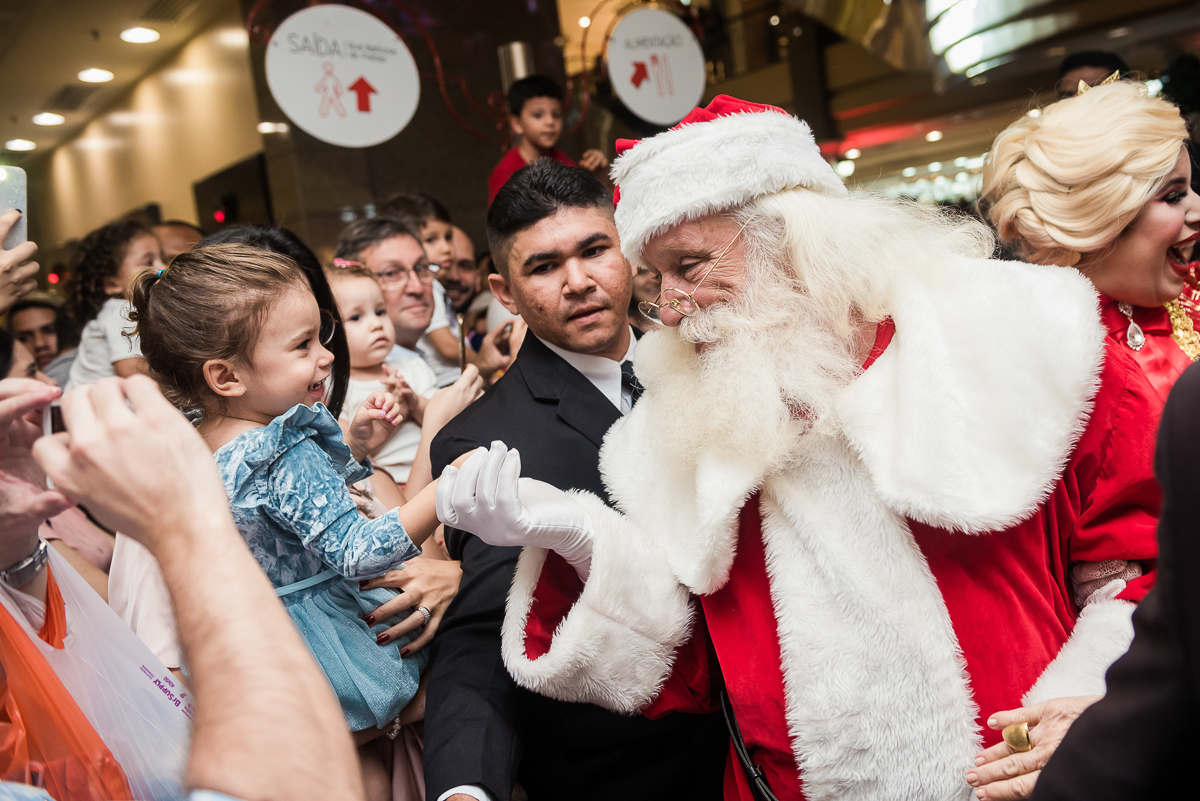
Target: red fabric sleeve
{"x": 687, "y": 689}
{"x": 1113, "y": 466}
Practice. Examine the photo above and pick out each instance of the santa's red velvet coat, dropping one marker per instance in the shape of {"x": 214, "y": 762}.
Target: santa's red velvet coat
{"x": 870, "y": 607}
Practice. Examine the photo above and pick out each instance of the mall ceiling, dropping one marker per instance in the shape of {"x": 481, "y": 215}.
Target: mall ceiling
{"x": 45, "y": 44}
{"x": 886, "y": 93}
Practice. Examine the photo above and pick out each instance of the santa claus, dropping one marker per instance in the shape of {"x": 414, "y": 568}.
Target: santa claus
{"x": 862, "y": 497}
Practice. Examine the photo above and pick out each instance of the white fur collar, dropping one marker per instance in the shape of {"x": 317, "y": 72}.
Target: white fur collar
{"x": 965, "y": 422}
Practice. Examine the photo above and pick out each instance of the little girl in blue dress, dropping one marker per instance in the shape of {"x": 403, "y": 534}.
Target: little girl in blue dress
{"x": 236, "y": 333}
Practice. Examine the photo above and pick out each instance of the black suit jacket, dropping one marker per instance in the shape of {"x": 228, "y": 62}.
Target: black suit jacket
{"x": 480, "y": 728}
{"x": 1136, "y": 743}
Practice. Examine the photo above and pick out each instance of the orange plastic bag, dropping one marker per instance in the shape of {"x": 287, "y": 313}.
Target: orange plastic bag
{"x": 45, "y": 739}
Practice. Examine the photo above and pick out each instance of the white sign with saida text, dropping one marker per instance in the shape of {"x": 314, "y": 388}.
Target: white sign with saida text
{"x": 342, "y": 75}
{"x": 656, "y": 65}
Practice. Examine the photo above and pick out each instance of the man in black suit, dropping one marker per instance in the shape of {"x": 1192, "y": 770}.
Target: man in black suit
{"x": 552, "y": 235}
{"x": 1137, "y": 742}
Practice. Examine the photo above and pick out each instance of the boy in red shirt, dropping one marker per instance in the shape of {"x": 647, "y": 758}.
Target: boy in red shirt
{"x": 535, "y": 113}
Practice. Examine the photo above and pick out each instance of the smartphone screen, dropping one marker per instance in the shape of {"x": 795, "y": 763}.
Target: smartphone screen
{"x": 52, "y": 423}
{"x": 12, "y": 196}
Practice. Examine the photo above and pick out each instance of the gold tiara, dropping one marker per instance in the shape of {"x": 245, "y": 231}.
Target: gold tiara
{"x": 1083, "y": 87}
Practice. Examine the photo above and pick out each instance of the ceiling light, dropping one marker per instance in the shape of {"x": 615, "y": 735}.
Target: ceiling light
{"x": 585, "y": 21}
{"x": 774, "y": 20}
{"x": 853, "y": 153}
{"x": 845, "y": 168}
{"x": 909, "y": 172}
{"x": 1035, "y": 112}
{"x": 272, "y": 127}
{"x": 935, "y": 166}
{"x": 1117, "y": 33}
{"x": 139, "y": 35}
{"x": 979, "y": 80}
{"x": 95, "y": 76}
{"x": 933, "y": 136}
{"x": 46, "y": 118}
{"x": 19, "y": 144}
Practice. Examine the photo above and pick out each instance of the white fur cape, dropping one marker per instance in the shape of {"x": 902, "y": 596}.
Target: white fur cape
{"x": 965, "y": 422}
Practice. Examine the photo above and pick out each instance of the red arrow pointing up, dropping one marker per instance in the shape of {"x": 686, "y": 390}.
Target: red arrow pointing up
{"x": 640, "y": 74}
{"x": 364, "y": 91}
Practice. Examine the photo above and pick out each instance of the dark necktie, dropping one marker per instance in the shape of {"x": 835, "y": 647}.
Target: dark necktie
{"x": 629, "y": 381}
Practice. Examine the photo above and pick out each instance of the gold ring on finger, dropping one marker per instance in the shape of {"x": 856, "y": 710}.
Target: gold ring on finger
{"x": 1016, "y": 736}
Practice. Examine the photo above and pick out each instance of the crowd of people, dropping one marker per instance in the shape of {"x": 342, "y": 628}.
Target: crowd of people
{"x": 739, "y": 487}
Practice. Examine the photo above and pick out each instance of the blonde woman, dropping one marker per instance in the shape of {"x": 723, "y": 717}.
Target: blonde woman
{"x": 1100, "y": 182}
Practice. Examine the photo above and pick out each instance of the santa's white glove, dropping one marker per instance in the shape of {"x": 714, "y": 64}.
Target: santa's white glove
{"x": 488, "y": 498}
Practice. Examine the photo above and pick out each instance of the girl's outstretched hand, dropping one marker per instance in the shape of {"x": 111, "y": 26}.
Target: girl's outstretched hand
{"x": 373, "y": 423}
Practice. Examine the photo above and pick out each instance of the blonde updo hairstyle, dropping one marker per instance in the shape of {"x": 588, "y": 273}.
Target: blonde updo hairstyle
{"x": 1064, "y": 185}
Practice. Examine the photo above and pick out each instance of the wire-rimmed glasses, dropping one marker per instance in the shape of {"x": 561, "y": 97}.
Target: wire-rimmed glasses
{"x": 684, "y": 303}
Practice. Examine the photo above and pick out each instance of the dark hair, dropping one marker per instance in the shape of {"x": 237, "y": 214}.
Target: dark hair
{"x": 210, "y": 304}
{"x": 416, "y": 208}
{"x": 274, "y": 239}
{"x": 7, "y": 343}
{"x": 97, "y": 259}
{"x": 181, "y": 224}
{"x": 534, "y": 193}
{"x": 529, "y": 88}
{"x": 1093, "y": 58}
{"x": 34, "y": 300}
{"x": 362, "y": 234}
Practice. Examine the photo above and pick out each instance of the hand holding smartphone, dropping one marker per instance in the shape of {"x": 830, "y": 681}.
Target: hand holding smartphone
{"x": 18, "y": 271}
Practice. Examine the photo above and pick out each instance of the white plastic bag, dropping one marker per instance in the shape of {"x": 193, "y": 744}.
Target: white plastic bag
{"x": 132, "y": 701}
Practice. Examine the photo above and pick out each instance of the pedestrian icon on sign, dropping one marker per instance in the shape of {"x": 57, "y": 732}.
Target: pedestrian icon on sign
{"x": 331, "y": 91}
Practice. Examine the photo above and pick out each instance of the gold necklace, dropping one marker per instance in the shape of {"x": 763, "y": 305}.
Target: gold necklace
{"x": 1182, "y": 330}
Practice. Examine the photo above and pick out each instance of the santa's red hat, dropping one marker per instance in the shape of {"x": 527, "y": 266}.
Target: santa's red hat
{"x": 718, "y": 158}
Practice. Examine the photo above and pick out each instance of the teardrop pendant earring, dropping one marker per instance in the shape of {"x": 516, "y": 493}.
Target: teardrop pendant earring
{"x": 1134, "y": 336}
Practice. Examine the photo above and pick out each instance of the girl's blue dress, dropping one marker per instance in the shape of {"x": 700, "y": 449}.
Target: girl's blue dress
{"x": 288, "y": 488}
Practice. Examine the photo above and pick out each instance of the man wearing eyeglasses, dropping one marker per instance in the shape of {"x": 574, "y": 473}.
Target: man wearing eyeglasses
{"x": 551, "y": 231}
{"x": 886, "y": 502}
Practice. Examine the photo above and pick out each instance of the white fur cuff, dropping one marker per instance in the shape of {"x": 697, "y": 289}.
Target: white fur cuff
{"x": 1102, "y": 634}
{"x": 617, "y": 644}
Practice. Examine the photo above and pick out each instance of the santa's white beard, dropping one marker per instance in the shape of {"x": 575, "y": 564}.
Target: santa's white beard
{"x": 767, "y": 374}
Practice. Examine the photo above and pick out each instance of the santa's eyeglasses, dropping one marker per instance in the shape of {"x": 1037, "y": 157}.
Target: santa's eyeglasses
{"x": 684, "y": 303}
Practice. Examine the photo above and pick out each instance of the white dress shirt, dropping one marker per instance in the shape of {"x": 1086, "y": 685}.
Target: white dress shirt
{"x": 605, "y": 375}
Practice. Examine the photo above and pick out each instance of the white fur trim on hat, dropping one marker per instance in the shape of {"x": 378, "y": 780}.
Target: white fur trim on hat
{"x": 709, "y": 167}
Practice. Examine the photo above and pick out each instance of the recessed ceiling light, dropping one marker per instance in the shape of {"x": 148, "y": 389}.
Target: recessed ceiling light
{"x": 774, "y": 20}
{"x": 909, "y": 172}
{"x": 19, "y": 144}
{"x": 935, "y": 166}
{"x": 933, "y": 136}
{"x": 94, "y": 75}
{"x": 1117, "y": 33}
{"x": 853, "y": 153}
{"x": 47, "y": 118}
{"x": 272, "y": 127}
{"x": 585, "y": 21}
{"x": 845, "y": 168}
{"x": 139, "y": 35}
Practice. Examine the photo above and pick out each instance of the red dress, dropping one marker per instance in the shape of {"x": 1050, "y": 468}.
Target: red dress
{"x": 1161, "y": 358}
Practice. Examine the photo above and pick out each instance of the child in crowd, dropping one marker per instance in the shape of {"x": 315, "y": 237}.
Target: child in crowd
{"x": 439, "y": 345}
{"x": 102, "y": 269}
{"x": 236, "y": 332}
{"x": 535, "y": 109}
{"x": 370, "y": 336}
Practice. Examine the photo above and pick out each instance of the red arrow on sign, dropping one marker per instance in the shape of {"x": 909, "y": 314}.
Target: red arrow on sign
{"x": 640, "y": 73}
{"x": 364, "y": 91}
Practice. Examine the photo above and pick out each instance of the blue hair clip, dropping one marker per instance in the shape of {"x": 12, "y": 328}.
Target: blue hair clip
{"x": 160, "y": 272}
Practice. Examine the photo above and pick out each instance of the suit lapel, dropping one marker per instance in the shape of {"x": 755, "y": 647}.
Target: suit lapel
{"x": 580, "y": 405}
